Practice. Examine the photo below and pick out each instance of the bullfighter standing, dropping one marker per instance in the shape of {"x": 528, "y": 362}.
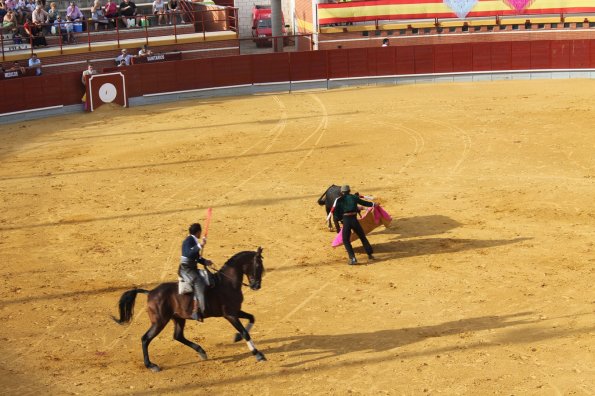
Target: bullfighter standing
{"x": 346, "y": 211}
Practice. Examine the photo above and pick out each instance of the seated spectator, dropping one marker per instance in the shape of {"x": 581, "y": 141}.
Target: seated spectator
{"x": 40, "y": 18}
{"x": 98, "y": 15}
{"x": 3, "y": 11}
{"x": 52, "y": 12}
{"x": 20, "y": 10}
{"x": 128, "y": 13}
{"x": 35, "y": 62}
{"x": 173, "y": 7}
{"x": 10, "y": 21}
{"x": 30, "y": 6}
{"x": 124, "y": 58}
{"x": 73, "y": 13}
{"x": 65, "y": 29}
{"x": 9, "y": 4}
{"x": 111, "y": 10}
{"x": 145, "y": 51}
{"x": 35, "y": 35}
{"x": 159, "y": 11}
{"x": 385, "y": 42}
{"x": 16, "y": 66}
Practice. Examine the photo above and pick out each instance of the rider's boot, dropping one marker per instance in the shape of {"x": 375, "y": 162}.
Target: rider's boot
{"x": 196, "y": 315}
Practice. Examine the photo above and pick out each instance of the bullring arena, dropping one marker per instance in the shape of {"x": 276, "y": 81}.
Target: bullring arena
{"x": 483, "y": 283}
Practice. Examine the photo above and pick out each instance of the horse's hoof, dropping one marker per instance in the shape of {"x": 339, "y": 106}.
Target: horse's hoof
{"x": 237, "y": 338}
{"x": 154, "y": 368}
{"x": 260, "y": 357}
{"x": 203, "y": 355}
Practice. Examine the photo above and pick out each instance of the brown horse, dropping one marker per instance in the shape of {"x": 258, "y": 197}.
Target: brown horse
{"x": 223, "y": 300}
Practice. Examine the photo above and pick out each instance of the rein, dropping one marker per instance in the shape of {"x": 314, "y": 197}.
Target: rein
{"x": 218, "y": 271}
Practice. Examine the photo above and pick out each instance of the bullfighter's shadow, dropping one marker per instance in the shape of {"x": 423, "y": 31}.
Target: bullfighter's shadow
{"x": 396, "y": 249}
{"x": 417, "y": 226}
{"x": 421, "y": 226}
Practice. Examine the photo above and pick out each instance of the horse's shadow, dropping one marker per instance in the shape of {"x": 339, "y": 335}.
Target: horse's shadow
{"x": 314, "y": 347}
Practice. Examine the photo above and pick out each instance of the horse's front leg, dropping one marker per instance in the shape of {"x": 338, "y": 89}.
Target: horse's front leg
{"x": 235, "y": 322}
{"x": 250, "y": 317}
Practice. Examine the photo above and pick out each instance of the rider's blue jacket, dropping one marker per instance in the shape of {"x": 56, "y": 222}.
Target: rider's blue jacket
{"x": 191, "y": 251}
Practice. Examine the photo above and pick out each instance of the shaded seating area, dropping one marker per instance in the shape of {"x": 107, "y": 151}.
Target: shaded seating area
{"x": 94, "y": 28}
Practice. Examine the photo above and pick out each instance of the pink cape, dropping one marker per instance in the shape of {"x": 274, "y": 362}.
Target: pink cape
{"x": 372, "y": 219}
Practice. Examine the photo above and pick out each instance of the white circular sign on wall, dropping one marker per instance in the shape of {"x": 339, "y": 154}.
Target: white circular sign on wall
{"x": 107, "y": 93}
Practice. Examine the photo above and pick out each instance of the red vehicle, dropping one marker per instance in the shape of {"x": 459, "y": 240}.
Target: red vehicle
{"x": 262, "y": 28}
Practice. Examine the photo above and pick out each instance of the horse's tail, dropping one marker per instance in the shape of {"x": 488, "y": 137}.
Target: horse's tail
{"x": 126, "y": 305}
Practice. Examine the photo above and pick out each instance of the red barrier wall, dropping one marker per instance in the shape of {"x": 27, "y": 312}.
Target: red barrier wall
{"x": 44, "y": 91}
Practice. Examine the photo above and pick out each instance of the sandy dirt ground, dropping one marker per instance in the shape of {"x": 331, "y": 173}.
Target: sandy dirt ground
{"x": 483, "y": 283}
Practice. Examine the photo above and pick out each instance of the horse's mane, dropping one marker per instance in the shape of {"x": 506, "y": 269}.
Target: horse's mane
{"x": 236, "y": 258}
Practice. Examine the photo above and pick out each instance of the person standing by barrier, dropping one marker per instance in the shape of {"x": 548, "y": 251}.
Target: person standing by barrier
{"x": 89, "y": 72}
{"x": 35, "y": 63}
{"x": 346, "y": 211}
{"x": 124, "y": 59}
{"x": 145, "y": 51}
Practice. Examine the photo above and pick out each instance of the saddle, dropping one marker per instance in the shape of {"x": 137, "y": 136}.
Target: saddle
{"x": 185, "y": 287}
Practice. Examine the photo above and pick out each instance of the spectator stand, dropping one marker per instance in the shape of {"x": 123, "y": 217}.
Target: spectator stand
{"x": 213, "y": 36}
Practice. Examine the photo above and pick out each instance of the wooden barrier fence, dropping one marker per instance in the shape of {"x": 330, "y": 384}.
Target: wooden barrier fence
{"x": 150, "y": 78}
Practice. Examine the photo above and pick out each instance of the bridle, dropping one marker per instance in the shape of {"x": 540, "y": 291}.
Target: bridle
{"x": 218, "y": 271}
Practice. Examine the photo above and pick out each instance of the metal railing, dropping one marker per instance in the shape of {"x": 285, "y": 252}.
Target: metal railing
{"x": 65, "y": 33}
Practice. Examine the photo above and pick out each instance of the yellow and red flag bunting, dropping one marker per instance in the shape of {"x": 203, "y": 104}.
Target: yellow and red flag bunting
{"x": 356, "y": 11}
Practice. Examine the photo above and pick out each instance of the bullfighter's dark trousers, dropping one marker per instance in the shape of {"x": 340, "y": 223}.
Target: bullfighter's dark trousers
{"x": 192, "y": 276}
{"x": 351, "y": 223}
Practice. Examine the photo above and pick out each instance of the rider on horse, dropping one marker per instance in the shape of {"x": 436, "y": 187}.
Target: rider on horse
{"x": 188, "y": 270}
